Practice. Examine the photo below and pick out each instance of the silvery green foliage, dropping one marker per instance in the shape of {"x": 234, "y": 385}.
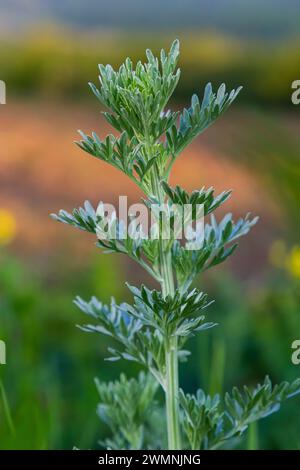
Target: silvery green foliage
{"x": 150, "y": 139}
{"x": 219, "y": 238}
{"x": 141, "y": 329}
{"x": 210, "y": 424}
{"x": 126, "y": 407}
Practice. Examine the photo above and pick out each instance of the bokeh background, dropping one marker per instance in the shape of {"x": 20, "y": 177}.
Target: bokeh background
{"x": 49, "y": 51}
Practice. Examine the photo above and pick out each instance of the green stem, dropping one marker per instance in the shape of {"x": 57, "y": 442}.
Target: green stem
{"x": 252, "y": 438}
{"x": 171, "y": 347}
{"x": 172, "y": 387}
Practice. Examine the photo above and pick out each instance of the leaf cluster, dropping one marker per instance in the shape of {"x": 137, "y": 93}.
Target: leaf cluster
{"x": 203, "y": 197}
{"x": 209, "y": 423}
{"x": 219, "y": 242}
{"x": 137, "y": 96}
{"x": 150, "y": 135}
{"x": 144, "y": 327}
{"x": 198, "y": 117}
{"x": 126, "y": 406}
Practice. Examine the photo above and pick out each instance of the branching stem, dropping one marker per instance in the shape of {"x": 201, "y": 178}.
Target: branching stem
{"x": 171, "y": 347}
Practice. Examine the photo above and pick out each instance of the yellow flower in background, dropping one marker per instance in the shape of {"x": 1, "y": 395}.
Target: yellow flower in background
{"x": 8, "y": 226}
{"x": 293, "y": 261}
{"x": 282, "y": 257}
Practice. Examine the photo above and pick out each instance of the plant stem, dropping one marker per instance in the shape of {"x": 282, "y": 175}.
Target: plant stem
{"x": 252, "y": 438}
{"x": 172, "y": 396}
{"x": 172, "y": 382}
{"x": 171, "y": 347}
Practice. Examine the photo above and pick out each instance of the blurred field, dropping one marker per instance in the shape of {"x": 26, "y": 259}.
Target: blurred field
{"x": 57, "y": 62}
{"x": 254, "y": 149}
{"x": 43, "y": 170}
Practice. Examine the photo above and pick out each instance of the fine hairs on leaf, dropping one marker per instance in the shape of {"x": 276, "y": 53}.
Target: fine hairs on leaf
{"x": 153, "y": 329}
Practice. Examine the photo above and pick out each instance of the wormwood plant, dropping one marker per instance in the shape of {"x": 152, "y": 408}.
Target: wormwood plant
{"x": 154, "y": 329}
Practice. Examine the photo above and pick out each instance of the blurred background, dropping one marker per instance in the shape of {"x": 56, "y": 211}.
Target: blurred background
{"x": 49, "y": 51}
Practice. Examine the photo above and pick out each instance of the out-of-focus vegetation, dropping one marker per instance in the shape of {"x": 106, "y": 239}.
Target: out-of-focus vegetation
{"x": 48, "y": 379}
{"x": 52, "y": 62}
{"x": 267, "y": 19}
{"x": 48, "y": 391}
